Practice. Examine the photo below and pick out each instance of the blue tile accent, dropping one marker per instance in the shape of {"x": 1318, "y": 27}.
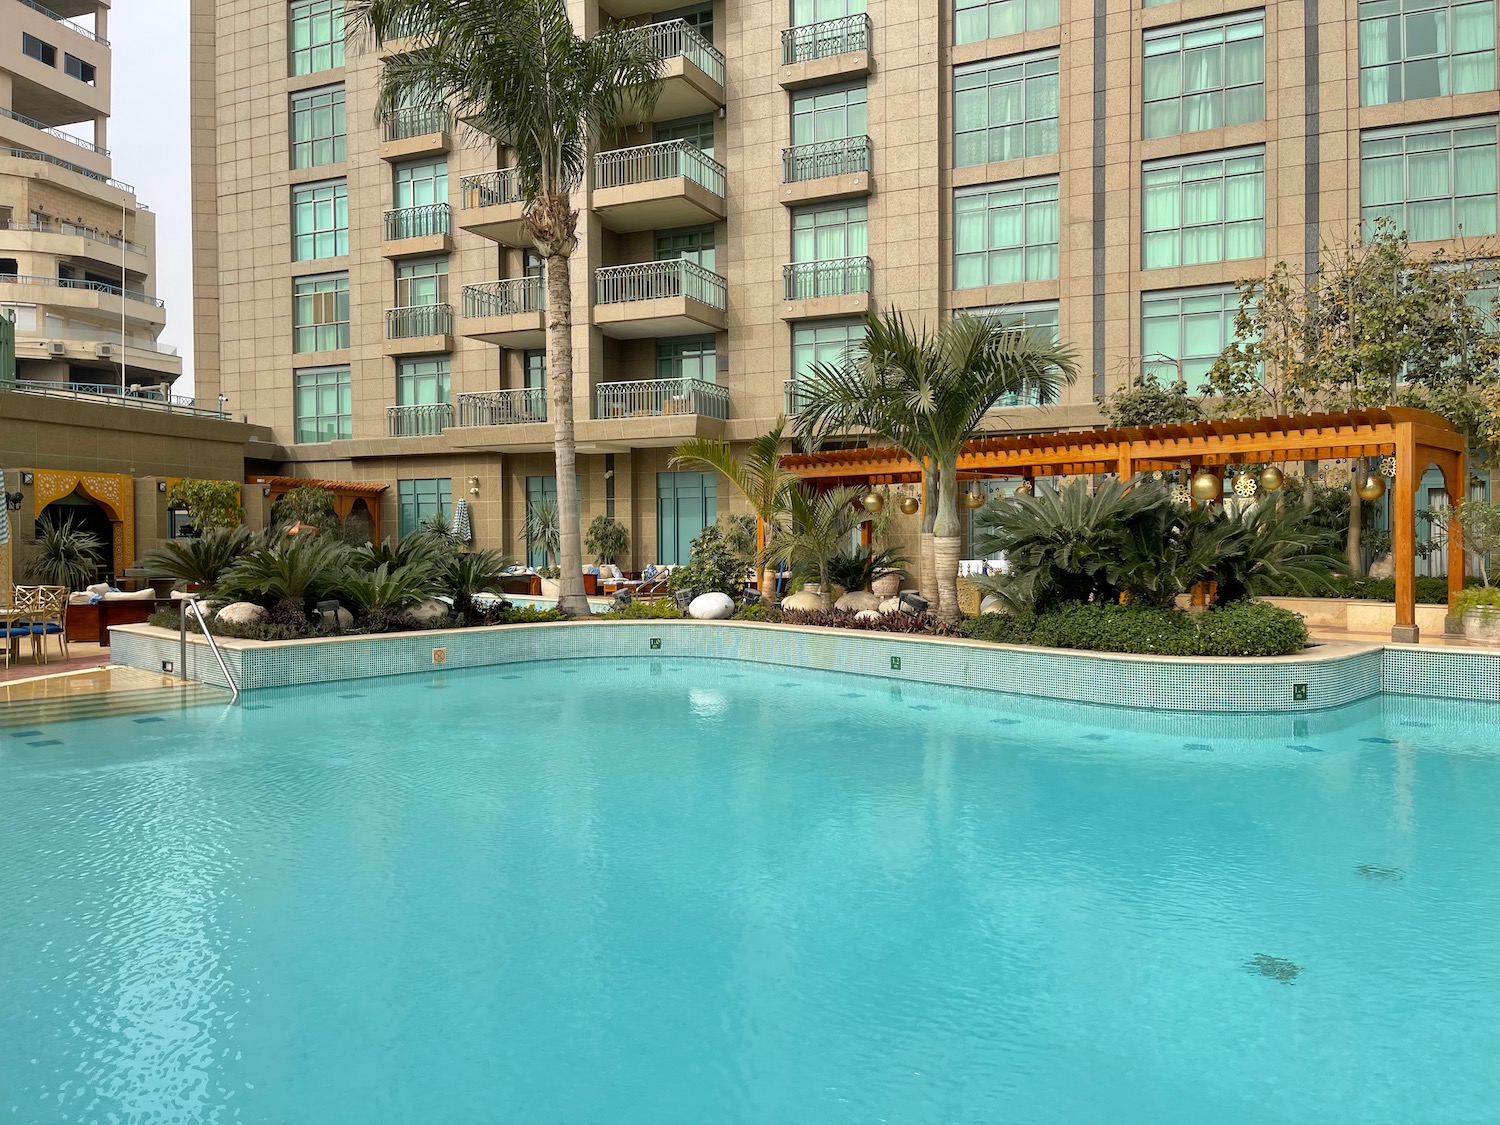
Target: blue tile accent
{"x": 47, "y": 742}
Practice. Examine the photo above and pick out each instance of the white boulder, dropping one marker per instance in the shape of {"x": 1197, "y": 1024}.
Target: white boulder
{"x": 1383, "y": 567}
{"x": 803, "y": 601}
{"x": 241, "y": 613}
{"x": 991, "y": 604}
{"x": 430, "y": 612}
{"x": 858, "y": 601}
{"x": 867, "y": 615}
{"x": 713, "y": 606}
{"x": 890, "y": 605}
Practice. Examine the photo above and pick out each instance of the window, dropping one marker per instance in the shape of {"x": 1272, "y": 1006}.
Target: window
{"x": 320, "y": 313}
{"x": 687, "y": 357}
{"x": 316, "y": 35}
{"x": 325, "y": 404}
{"x": 696, "y": 244}
{"x": 420, "y": 500}
{"x": 1005, "y": 233}
{"x": 829, "y": 114}
{"x": 422, "y": 382}
{"x": 1436, "y": 181}
{"x": 699, "y": 17}
{"x": 534, "y": 370}
{"x": 1191, "y": 327}
{"x": 824, "y": 342}
{"x": 1037, "y": 314}
{"x": 77, "y": 68}
{"x": 1204, "y": 76}
{"x": 686, "y": 503}
{"x": 974, "y": 20}
{"x": 422, "y": 282}
{"x": 318, "y": 127}
{"x": 421, "y": 183}
{"x": 539, "y": 489}
{"x": 320, "y": 220}
{"x": 1204, "y": 209}
{"x": 828, "y": 234}
{"x": 44, "y": 53}
{"x": 1005, "y": 110}
{"x": 1424, "y": 49}
{"x": 699, "y": 131}
{"x": 806, "y": 12}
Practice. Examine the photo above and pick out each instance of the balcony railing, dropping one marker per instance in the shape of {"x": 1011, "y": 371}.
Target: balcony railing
{"x": 81, "y": 283}
{"x": 78, "y": 27}
{"x": 51, "y": 132}
{"x": 491, "y": 189}
{"x": 664, "y": 161}
{"x": 650, "y": 281}
{"x": 145, "y": 398}
{"x": 652, "y": 398}
{"x": 823, "y": 40}
{"x": 418, "y": 222}
{"x": 415, "y": 121}
{"x": 503, "y": 408}
{"x": 825, "y": 158}
{"x": 505, "y": 298}
{"x": 418, "y": 320}
{"x": 46, "y": 226}
{"x": 418, "y": 421}
{"x": 48, "y": 158}
{"x": 677, "y": 37}
{"x": 793, "y": 396}
{"x": 842, "y": 277}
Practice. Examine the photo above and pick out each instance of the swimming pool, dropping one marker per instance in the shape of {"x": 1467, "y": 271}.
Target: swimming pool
{"x": 685, "y": 891}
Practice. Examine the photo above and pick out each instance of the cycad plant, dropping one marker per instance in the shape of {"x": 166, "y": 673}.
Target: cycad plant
{"x": 383, "y": 592}
{"x": 820, "y": 523}
{"x": 475, "y": 572}
{"x": 200, "y": 561}
{"x": 518, "y": 71}
{"x": 289, "y": 574}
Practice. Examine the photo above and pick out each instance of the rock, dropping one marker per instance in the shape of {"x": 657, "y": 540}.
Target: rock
{"x": 430, "y": 612}
{"x": 991, "y": 604}
{"x": 344, "y": 618}
{"x": 890, "y": 605}
{"x": 1383, "y": 567}
{"x": 241, "y": 613}
{"x": 858, "y": 602}
{"x": 803, "y": 601}
{"x": 713, "y": 606}
{"x": 867, "y": 615}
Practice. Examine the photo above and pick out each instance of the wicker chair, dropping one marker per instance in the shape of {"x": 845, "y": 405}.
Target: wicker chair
{"x": 13, "y": 622}
{"x": 49, "y": 618}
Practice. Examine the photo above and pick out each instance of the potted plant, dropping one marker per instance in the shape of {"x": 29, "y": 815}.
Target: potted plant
{"x": 65, "y": 556}
{"x": 1479, "y": 610}
{"x": 607, "y": 539}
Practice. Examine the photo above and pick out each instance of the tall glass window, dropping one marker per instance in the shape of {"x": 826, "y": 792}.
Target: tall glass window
{"x": 829, "y": 114}
{"x": 1204, "y": 76}
{"x": 318, "y": 130}
{"x": 538, "y": 489}
{"x": 421, "y": 183}
{"x": 1005, "y": 233}
{"x": 1035, "y": 314}
{"x": 320, "y": 313}
{"x": 805, "y": 12}
{"x": 324, "y": 404}
{"x": 1005, "y": 109}
{"x": 420, "y": 500}
{"x": 315, "y": 35}
{"x": 687, "y": 357}
{"x": 699, "y": 131}
{"x": 1204, "y": 209}
{"x": 1189, "y": 327}
{"x": 1424, "y": 49}
{"x": 320, "y": 220}
{"x": 974, "y": 20}
{"x": 421, "y": 282}
{"x": 686, "y": 503}
{"x": 422, "y": 382}
{"x": 699, "y": 17}
{"x": 696, "y": 244}
{"x": 1435, "y": 181}
{"x": 534, "y": 370}
{"x": 827, "y": 234}
{"x": 822, "y": 341}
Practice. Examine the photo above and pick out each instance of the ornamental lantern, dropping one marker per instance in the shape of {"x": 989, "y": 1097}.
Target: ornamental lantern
{"x": 974, "y": 498}
{"x": 1372, "y": 488}
{"x": 1271, "y": 479}
{"x": 872, "y": 502}
{"x": 1207, "y": 487}
{"x": 909, "y": 505}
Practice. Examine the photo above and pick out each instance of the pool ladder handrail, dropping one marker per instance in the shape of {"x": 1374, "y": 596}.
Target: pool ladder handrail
{"x": 192, "y": 604}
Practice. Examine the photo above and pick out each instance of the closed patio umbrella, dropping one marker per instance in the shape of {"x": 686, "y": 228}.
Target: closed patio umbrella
{"x": 463, "y": 530}
{"x": 5, "y": 577}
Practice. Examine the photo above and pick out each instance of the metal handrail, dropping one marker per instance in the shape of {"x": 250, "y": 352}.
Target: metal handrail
{"x": 672, "y": 38}
{"x": 44, "y": 226}
{"x": 505, "y": 298}
{"x": 418, "y": 222}
{"x": 48, "y": 158}
{"x": 415, "y": 121}
{"x": 840, "y": 157}
{"x": 652, "y": 398}
{"x": 512, "y": 407}
{"x": 491, "y": 189}
{"x": 110, "y": 394}
{"x": 662, "y": 161}
{"x": 826, "y": 39}
{"x": 78, "y": 27}
{"x": 192, "y": 604}
{"x": 649, "y": 281}
{"x": 81, "y": 283}
{"x": 51, "y": 132}
{"x": 792, "y": 397}
{"x": 425, "y": 420}
{"x": 839, "y": 277}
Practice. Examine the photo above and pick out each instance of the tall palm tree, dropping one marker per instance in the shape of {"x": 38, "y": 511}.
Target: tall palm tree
{"x": 821, "y": 522}
{"x": 757, "y": 476}
{"x": 928, "y": 392}
{"x": 518, "y": 71}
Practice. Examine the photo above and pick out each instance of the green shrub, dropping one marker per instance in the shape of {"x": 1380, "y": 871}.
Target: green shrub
{"x": 643, "y": 610}
{"x": 64, "y": 556}
{"x": 1241, "y": 629}
{"x": 212, "y": 505}
{"x": 515, "y": 615}
{"x": 1476, "y": 596}
{"x": 1430, "y": 591}
{"x": 757, "y": 612}
{"x": 309, "y": 504}
{"x": 607, "y": 539}
{"x": 713, "y": 566}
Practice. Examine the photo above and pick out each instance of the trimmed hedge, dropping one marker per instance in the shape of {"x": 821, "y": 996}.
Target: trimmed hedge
{"x": 1430, "y": 591}
{"x": 1241, "y": 629}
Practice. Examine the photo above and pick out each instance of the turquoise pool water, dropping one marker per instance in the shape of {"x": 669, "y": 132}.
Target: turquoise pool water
{"x": 663, "y": 892}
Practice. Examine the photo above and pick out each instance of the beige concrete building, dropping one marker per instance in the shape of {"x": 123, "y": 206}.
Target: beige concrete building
{"x": 77, "y": 249}
{"x": 1110, "y": 168}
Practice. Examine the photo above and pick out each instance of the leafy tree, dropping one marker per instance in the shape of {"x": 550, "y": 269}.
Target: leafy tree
{"x": 607, "y": 539}
{"x": 713, "y": 565}
{"x": 210, "y": 504}
{"x": 1147, "y": 403}
{"x": 1480, "y": 520}
{"x": 519, "y": 72}
{"x": 309, "y": 504}
{"x": 821, "y": 522}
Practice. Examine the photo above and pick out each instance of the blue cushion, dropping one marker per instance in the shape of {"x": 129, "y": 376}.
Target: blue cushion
{"x": 50, "y": 627}
{"x": 17, "y": 631}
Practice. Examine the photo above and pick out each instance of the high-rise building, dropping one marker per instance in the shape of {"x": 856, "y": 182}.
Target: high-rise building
{"x": 77, "y": 249}
{"x": 1109, "y": 169}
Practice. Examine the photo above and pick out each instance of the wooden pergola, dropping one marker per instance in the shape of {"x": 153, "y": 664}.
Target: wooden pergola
{"x": 1415, "y": 438}
{"x": 346, "y": 493}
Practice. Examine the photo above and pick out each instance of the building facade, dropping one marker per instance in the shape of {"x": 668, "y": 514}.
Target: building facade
{"x": 1111, "y": 169}
{"x": 77, "y": 249}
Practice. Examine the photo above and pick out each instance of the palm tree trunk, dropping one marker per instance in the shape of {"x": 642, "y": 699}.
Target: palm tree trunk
{"x": 570, "y": 599}
{"x": 927, "y": 583}
{"x": 823, "y": 590}
{"x": 945, "y": 544}
{"x": 1353, "y": 548}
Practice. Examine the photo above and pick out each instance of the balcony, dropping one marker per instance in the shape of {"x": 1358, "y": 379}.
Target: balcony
{"x": 418, "y": 421}
{"x": 109, "y": 394}
{"x": 7, "y": 150}
{"x": 659, "y": 398}
{"x": 672, "y": 298}
{"x": 826, "y": 170}
{"x": 419, "y": 329}
{"x": 831, "y": 51}
{"x": 71, "y": 25}
{"x": 511, "y": 313}
{"x": 793, "y": 396}
{"x": 412, "y": 232}
{"x": 655, "y": 187}
{"x": 18, "y": 129}
{"x": 516, "y": 407}
{"x": 493, "y": 206}
{"x": 692, "y": 72}
{"x": 95, "y": 244}
{"x": 75, "y": 293}
{"x": 417, "y": 130}
{"x": 840, "y": 287}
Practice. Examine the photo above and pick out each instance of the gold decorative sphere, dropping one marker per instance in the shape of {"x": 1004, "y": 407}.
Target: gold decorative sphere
{"x": 909, "y": 505}
{"x": 1207, "y": 487}
{"x": 872, "y": 502}
{"x": 1372, "y": 488}
{"x": 1271, "y": 478}
{"x": 974, "y": 499}
{"x": 1024, "y": 488}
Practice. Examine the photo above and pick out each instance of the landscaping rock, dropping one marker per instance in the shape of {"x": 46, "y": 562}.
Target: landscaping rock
{"x": 991, "y": 604}
{"x": 1383, "y": 567}
{"x": 890, "y": 605}
{"x": 867, "y": 615}
{"x": 713, "y": 606}
{"x": 803, "y": 601}
{"x": 241, "y": 613}
{"x": 431, "y": 612}
{"x": 858, "y": 602}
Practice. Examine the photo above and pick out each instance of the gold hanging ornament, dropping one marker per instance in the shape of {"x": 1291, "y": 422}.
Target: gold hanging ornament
{"x": 909, "y": 505}
{"x": 1207, "y": 487}
{"x": 1024, "y": 489}
{"x": 872, "y": 502}
{"x": 1387, "y": 466}
{"x": 1271, "y": 478}
{"x": 1181, "y": 495}
{"x": 974, "y": 499}
{"x": 1372, "y": 488}
{"x": 1245, "y": 486}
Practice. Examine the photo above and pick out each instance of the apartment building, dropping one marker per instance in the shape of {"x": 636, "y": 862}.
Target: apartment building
{"x": 77, "y": 249}
{"x": 1110, "y": 169}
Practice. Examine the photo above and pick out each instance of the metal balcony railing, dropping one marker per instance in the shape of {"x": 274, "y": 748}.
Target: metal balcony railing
{"x": 81, "y": 283}
{"x": 652, "y": 398}
{"x": 503, "y": 408}
{"x": 418, "y": 222}
{"x": 826, "y": 39}
{"x": 842, "y": 277}
{"x": 48, "y": 158}
{"x": 793, "y": 395}
{"x": 46, "y": 226}
{"x": 665, "y": 161}
{"x": 505, "y": 298}
{"x": 673, "y": 38}
{"x": 51, "y": 132}
{"x": 72, "y": 26}
{"x": 491, "y": 189}
{"x": 650, "y": 281}
{"x": 825, "y": 158}
{"x": 418, "y": 320}
{"x": 145, "y": 398}
{"x": 427, "y": 420}
{"x": 415, "y": 121}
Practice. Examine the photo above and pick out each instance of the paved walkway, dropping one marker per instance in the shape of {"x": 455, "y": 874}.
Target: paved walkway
{"x": 80, "y": 657}
{"x": 89, "y": 681}
{"x": 1326, "y": 634}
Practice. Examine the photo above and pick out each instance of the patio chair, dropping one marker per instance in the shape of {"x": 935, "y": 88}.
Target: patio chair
{"x": 49, "y": 618}
{"x": 13, "y": 623}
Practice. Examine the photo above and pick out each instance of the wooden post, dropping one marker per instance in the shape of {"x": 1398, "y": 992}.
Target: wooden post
{"x": 1127, "y": 465}
{"x": 1404, "y": 535}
